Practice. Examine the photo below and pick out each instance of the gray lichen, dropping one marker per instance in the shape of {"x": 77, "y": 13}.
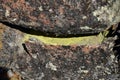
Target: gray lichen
{"x": 109, "y": 14}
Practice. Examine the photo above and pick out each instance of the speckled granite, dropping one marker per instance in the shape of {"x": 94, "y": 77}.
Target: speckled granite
{"x": 34, "y": 60}
{"x": 37, "y": 61}
{"x": 61, "y": 17}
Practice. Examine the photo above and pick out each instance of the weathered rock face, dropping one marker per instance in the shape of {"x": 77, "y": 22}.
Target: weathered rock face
{"x": 61, "y": 17}
{"x": 36, "y": 61}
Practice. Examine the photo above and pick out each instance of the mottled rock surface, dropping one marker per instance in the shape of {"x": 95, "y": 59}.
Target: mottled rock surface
{"x": 61, "y": 17}
{"x": 36, "y": 61}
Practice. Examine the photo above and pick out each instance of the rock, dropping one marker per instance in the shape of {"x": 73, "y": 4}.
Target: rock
{"x": 34, "y": 60}
{"x": 61, "y": 17}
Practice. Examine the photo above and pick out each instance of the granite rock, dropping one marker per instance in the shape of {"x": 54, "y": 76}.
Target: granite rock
{"x": 36, "y": 61}
{"x": 61, "y": 17}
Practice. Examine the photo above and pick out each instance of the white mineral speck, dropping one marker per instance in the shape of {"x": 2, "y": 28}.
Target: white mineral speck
{"x": 50, "y": 10}
{"x": 10, "y": 73}
{"x": 41, "y": 76}
{"x": 81, "y": 70}
{"x": 40, "y": 8}
{"x": 84, "y": 17}
{"x": 112, "y": 56}
{"x": 7, "y": 13}
{"x": 85, "y": 28}
{"x": 51, "y": 66}
{"x": 14, "y": 19}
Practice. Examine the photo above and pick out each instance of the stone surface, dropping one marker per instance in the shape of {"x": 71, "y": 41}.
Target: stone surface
{"x": 36, "y": 61}
{"x": 61, "y": 17}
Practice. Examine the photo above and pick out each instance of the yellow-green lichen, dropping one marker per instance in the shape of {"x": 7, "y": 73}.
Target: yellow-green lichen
{"x": 87, "y": 40}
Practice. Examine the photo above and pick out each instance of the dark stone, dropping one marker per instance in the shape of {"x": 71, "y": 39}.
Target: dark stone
{"x": 39, "y": 61}
{"x": 61, "y": 17}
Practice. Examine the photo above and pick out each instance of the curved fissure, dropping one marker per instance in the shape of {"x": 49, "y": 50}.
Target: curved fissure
{"x": 50, "y": 39}
{"x": 46, "y": 33}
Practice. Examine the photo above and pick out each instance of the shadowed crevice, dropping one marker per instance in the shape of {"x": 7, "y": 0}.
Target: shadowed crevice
{"x": 44, "y": 33}
{"x": 3, "y": 73}
{"x": 116, "y": 47}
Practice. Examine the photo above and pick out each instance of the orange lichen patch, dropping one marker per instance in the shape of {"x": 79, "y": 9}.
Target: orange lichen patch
{"x": 6, "y": 7}
{"x": 44, "y": 19}
{"x": 60, "y": 51}
{"x": 21, "y": 4}
{"x": 73, "y": 47}
{"x": 61, "y": 10}
{"x": 32, "y": 18}
{"x": 2, "y": 27}
{"x": 51, "y": 47}
{"x": 13, "y": 75}
{"x": 87, "y": 49}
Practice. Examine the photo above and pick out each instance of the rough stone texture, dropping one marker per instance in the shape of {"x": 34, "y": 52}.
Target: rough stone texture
{"x": 61, "y": 17}
{"x": 36, "y": 61}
